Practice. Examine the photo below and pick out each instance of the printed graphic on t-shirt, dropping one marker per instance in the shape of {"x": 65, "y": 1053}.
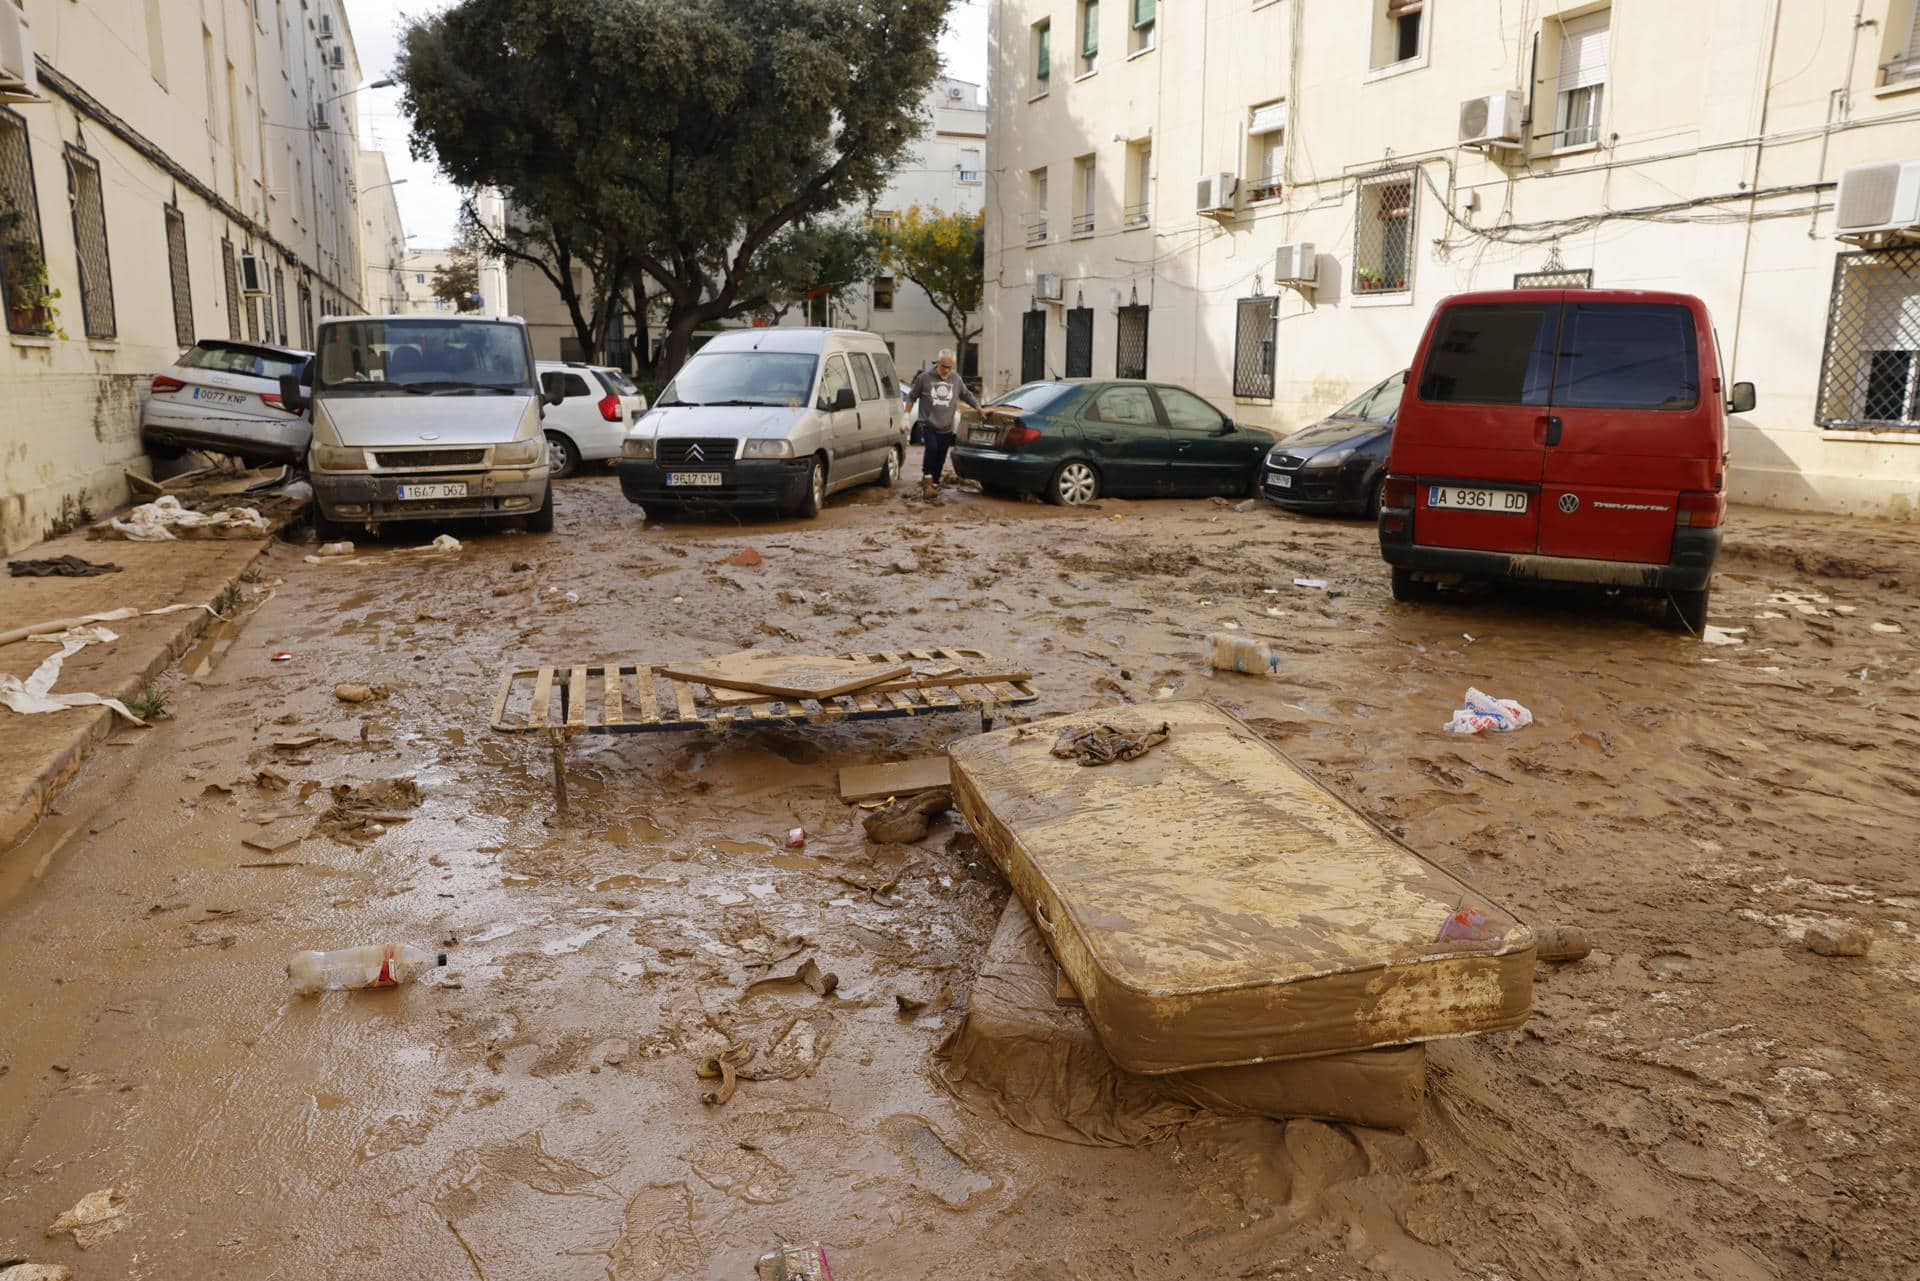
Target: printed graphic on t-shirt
{"x": 943, "y": 394}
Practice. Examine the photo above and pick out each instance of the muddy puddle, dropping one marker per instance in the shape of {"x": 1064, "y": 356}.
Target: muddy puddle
{"x": 1702, "y": 1097}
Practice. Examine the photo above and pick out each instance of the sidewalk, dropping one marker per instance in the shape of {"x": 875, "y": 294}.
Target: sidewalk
{"x": 39, "y": 753}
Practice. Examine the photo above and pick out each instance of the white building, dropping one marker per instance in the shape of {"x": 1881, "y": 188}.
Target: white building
{"x": 1263, "y": 199}
{"x": 383, "y": 239}
{"x": 418, "y": 270}
{"x": 173, "y": 171}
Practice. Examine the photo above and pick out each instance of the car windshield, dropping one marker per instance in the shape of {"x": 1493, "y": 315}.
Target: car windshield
{"x": 619, "y": 382}
{"x": 743, "y": 378}
{"x": 424, "y": 356}
{"x": 1378, "y": 403}
{"x": 238, "y": 358}
{"x": 1034, "y": 397}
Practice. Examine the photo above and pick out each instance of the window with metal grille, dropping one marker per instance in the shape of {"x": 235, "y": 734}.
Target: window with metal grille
{"x": 177, "y": 269}
{"x": 23, "y": 261}
{"x": 1570, "y": 278}
{"x": 306, "y": 317}
{"x": 1130, "y": 347}
{"x": 90, "y": 242}
{"x": 232, "y": 272}
{"x": 1253, "y": 349}
{"x": 1033, "y": 346}
{"x": 1383, "y": 234}
{"x": 1870, "y": 372}
{"x": 280, "y": 300}
{"x": 1080, "y": 342}
{"x": 256, "y": 305}
{"x": 1582, "y": 85}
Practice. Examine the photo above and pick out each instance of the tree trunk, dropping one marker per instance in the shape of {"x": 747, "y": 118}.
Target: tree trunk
{"x": 642, "y": 339}
{"x": 679, "y": 341}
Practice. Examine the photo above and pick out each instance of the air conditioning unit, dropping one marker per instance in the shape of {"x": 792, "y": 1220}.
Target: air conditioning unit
{"x": 253, "y": 274}
{"x": 1493, "y": 121}
{"x": 1216, "y": 192}
{"x": 326, "y": 26}
{"x": 337, "y": 57}
{"x": 1296, "y": 264}
{"x": 18, "y": 80}
{"x": 1878, "y": 201}
{"x": 1048, "y": 287}
{"x": 955, "y": 92}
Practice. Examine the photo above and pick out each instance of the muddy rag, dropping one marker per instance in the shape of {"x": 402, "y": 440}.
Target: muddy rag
{"x": 59, "y": 567}
{"x": 1103, "y": 744}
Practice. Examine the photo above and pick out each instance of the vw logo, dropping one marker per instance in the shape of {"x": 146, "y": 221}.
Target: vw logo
{"x": 1569, "y": 503}
{"x": 695, "y": 454}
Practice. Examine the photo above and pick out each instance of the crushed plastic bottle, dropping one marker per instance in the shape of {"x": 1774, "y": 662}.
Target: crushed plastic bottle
{"x": 377, "y": 965}
{"x": 1227, "y": 652}
{"x": 794, "y": 1263}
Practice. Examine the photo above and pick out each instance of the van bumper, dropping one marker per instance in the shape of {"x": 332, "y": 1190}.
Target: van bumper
{"x": 354, "y": 498}
{"x": 753, "y": 482}
{"x": 1689, "y": 568}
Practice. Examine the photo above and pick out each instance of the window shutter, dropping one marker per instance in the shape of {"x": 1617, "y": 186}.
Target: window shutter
{"x": 1046, "y": 52}
{"x": 1584, "y": 43}
{"x": 1090, "y": 29}
{"x": 1142, "y": 13}
{"x": 1404, "y": 8}
{"x": 1268, "y": 119}
{"x": 1913, "y": 35}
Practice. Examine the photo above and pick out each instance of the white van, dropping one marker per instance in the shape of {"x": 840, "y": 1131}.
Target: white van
{"x": 770, "y": 418}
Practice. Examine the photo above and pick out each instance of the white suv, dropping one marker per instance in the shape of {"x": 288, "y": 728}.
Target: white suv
{"x": 595, "y": 408}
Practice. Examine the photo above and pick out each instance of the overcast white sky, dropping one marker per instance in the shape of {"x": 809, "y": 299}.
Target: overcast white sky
{"x": 429, "y": 204}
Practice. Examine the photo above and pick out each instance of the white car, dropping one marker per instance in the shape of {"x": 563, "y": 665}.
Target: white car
{"x": 597, "y": 406}
{"x": 224, "y": 396}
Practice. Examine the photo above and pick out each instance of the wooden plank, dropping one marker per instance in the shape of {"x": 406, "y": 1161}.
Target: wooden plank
{"x": 785, "y": 675}
{"x": 896, "y": 778}
{"x": 542, "y": 696}
{"x": 649, "y": 702}
{"x": 683, "y": 698}
{"x": 610, "y": 695}
{"x": 577, "y": 698}
{"x": 500, "y": 699}
{"x": 723, "y": 697}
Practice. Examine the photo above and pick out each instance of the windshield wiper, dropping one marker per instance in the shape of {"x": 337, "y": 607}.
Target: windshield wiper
{"x": 438, "y": 386}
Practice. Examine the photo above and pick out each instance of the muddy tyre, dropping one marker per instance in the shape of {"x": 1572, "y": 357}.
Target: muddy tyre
{"x": 562, "y": 458}
{"x": 815, "y": 495}
{"x": 1410, "y": 590}
{"x": 1075, "y": 484}
{"x": 1687, "y": 611}
{"x": 890, "y": 470}
{"x": 541, "y": 520}
{"x": 327, "y": 530}
{"x": 1372, "y": 510}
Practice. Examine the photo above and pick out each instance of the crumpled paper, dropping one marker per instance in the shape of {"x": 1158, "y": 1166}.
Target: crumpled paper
{"x": 96, "y": 1215}
{"x": 1104, "y": 744}
{"x": 35, "y": 694}
{"x": 155, "y": 522}
{"x": 1484, "y": 712}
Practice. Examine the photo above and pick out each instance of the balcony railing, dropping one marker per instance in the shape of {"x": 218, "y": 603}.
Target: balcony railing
{"x": 1138, "y": 215}
{"x": 1083, "y": 224}
{"x": 1902, "y": 69}
{"x": 970, "y": 176}
{"x": 1266, "y": 187}
{"x": 1037, "y": 232}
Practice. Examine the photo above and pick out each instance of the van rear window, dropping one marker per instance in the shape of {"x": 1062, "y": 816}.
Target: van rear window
{"x": 1491, "y": 354}
{"x": 1627, "y": 356}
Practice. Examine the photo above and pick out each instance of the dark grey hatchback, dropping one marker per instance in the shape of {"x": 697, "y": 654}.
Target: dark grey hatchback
{"x": 1337, "y": 464}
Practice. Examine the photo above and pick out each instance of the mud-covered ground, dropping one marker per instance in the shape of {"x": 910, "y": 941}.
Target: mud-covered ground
{"x": 1703, "y": 1097}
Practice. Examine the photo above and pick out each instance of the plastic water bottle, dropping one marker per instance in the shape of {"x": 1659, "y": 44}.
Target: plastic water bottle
{"x": 1238, "y": 652}
{"x": 377, "y": 965}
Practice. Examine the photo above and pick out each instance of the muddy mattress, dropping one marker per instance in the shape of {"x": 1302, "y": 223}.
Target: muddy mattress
{"x": 1214, "y": 905}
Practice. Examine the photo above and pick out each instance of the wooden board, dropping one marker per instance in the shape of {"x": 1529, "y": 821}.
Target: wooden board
{"x": 896, "y": 778}
{"x": 785, "y": 675}
{"x": 891, "y": 688}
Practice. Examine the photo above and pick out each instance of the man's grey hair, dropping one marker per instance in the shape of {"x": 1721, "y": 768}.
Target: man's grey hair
{"x": 945, "y": 353}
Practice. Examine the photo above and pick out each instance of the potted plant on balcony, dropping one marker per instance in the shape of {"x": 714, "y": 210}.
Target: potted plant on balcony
{"x": 30, "y": 294}
{"x": 1374, "y": 281}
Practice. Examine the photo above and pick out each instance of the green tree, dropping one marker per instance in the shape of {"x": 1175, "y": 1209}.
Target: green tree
{"x": 555, "y": 250}
{"x": 941, "y": 253}
{"x": 690, "y": 134}
{"x": 458, "y": 281}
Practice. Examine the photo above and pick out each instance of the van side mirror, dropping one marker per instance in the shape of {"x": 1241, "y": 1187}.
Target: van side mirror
{"x": 1226, "y": 427}
{"x": 843, "y": 399}
{"x": 552, "y": 391}
{"x": 1742, "y": 400}
{"x": 292, "y": 398}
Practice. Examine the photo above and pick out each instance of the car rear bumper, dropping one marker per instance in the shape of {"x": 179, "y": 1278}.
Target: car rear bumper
{"x": 1689, "y": 568}
{"x": 269, "y": 441}
{"x": 366, "y": 498}
{"x": 999, "y": 469}
{"x": 756, "y": 482}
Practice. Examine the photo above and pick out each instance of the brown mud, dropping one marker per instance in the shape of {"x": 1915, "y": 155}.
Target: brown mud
{"x": 1701, "y": 1097}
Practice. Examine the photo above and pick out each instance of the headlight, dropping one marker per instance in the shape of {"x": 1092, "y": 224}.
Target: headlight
{"x": 337, "y": 458}
{"x": 521, "y": 453}
{"x": 767, "y": 449}
{"x": 1332, "y": 458}
{"x": 640, "y": 447}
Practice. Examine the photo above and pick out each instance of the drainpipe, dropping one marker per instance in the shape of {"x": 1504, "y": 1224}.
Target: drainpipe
{"x": 1753, "y": 200}
{"x": 1844, "y": 95}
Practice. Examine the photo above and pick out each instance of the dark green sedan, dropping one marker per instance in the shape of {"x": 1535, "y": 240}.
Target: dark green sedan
{"x": 1071, "y": 442}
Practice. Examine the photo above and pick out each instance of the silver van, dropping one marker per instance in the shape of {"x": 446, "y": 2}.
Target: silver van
{"x": 770, "y": 418}
{"x": 424, "y": 418}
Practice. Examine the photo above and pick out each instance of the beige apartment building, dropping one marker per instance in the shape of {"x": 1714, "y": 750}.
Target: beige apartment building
{"x": 173, "y": 169}
{"x": 1263, "y": 199}
{"x": 383, "y": 237}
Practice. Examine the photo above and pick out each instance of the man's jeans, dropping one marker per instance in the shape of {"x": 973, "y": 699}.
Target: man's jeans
{"x": 934, "y": 461}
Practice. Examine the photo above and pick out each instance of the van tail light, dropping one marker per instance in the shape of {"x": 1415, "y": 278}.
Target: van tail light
{"x": 1020, "y": 435}
{"x": 163, "y": 383}
{"x": 1398, "y": 491}
{"x": 610, "y": 408}
{"x": 1700, "y": 509}
{"x": 272, "y": 400}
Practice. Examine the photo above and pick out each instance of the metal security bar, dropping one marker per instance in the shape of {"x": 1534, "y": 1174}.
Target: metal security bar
{"x": 177, "y": 271}
{"x": 233, "y": 289}
{"x": 22, "y": 252}
{"x": 280, "y": 300}
{"x": 1080, "y": 342}
{"x": 1130, "y": 348}
{"x": 1383, "y": 234}
{"x": 306, "y": 317}
{"x": 90, "y": 241}
{"x": 1253, "y": 349}
{"x": 1566, "y": 279}
{"x": 1870, "y": 371}
{"x": 1033, "y": 346}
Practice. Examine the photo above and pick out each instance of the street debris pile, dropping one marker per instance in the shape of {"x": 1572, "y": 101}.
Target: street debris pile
{"x": 167, "y": 518}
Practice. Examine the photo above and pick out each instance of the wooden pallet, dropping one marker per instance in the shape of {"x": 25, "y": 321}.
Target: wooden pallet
{"x": 562, "y": 700}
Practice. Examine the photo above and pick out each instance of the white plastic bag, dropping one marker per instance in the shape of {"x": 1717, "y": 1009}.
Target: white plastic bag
{"x": 1483, "y": 712}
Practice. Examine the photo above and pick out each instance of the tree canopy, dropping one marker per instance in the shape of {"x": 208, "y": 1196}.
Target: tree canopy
{"x": 458, "y": 281}
{"x": 941, "y": 253}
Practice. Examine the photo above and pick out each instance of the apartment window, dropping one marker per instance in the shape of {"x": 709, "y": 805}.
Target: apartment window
{"x": 280, "y": 301}
{"x": 1266, "y": 150}
{"x": 23, "y": 259}
{"x": 213, "y": 93}
{"x": 1042, "y": 56}
{"x": 1903, "y": 63}
{"x": 883, "y": 293}
{"x": 1143, "y": 15}
{"x": 177, "y": 270}
{"x": 1399, "y": 32}
{"x": 1079, "y": 342}
{"x": 232, "y": 271}
{"x": 1253, "y": 349}
{"x": 90, "y": 242}
{"x": 1130, "y": 344}
{"x": 420, "y": 278}
{"x": 881, "y": 220}
{"x": 1138, "y": 211}
{"x": 156, "y": 44}
{"x": 1037, "y": 207}
{"x": 1089, "y": 35}
{"x": 1383, "y": 233}
{"x": 1583, "y": 80}
{"x": 1870, "y": 371}
{"x": 306, "y": 317}
{"x": 1085, "y": 189}
{"x": 971, "y": 167}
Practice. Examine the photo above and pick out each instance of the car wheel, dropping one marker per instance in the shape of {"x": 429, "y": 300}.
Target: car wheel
{"x": 1687, "y": 611}
{"x": 1410, "y": 590}
{"x": 327, "y": 530}
{"x": 1373, "y": 499}
{"x": 890, "y": 470}
{"x": 1075, "y": 485}
{"x": 562, "y": 458}
{"x": 815, "y": 496}
{"x": 541, "y": 521}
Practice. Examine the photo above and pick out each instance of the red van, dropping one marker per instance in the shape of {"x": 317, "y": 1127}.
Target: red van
{"x": 1575, "y": 436}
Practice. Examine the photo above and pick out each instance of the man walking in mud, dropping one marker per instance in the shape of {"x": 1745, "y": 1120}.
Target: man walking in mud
{"x": 937, "y": 392}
